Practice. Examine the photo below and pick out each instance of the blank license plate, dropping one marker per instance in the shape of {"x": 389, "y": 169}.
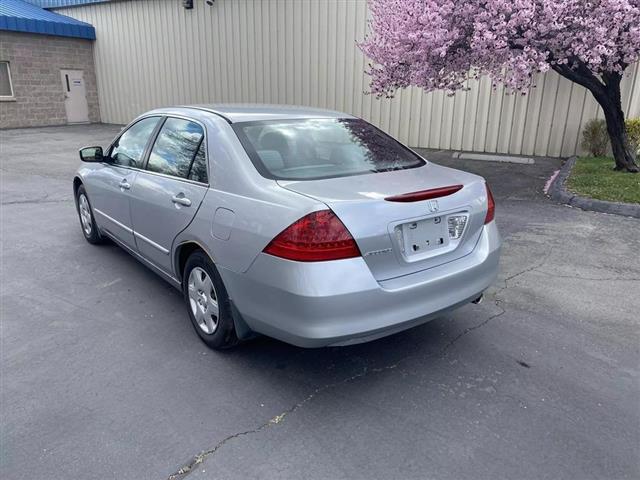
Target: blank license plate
{"x": 424, "y": 235}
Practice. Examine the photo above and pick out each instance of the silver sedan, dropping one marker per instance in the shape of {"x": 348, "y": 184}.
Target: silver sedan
{"x": 307, "y": 225}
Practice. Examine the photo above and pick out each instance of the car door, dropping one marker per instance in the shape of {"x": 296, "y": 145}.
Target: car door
{"x": 109, "y": 187}
{"x": 167, "y": 193}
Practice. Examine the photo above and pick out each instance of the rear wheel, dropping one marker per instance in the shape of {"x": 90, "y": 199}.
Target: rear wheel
{"x": 207, "y": 302}
{"x": 87, "y": 221}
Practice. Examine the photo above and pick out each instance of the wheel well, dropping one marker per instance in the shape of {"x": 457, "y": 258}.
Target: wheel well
{"x": 184, "y": 252}
{"x": 76, "y": 184}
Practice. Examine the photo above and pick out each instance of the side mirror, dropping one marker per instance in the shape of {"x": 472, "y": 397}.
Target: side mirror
{"x": 91, "y": 154}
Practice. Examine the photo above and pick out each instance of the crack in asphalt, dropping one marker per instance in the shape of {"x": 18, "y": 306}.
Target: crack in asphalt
{"x": 188, "y": 468}
{"x": 35, "y": 201}
{"x": 47, "y": 175}
{"x": 498, "y": 301}
{"x": 592, "y": 279}
{"x": 201, "y": 457}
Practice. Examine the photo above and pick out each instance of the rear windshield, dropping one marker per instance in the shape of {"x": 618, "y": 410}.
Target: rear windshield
{"x": 311, "y": 149}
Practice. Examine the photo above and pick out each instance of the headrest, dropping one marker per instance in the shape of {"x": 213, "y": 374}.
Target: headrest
{"x": 274, "y": 141}
{"x": 271, "y": 159}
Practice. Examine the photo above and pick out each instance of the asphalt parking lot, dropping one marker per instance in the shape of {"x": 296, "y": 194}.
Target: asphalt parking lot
{"x": 103, "y": 376}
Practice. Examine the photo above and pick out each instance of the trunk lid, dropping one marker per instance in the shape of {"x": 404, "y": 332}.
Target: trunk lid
{"x": 398, "y": 238}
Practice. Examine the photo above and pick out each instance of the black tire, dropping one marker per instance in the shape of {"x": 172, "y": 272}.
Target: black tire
{"x": 224, "y": 334}
{"x": 91, "y": 232}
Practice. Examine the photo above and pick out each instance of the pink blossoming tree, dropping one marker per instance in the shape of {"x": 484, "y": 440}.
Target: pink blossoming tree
{"x": 439, "y": 44}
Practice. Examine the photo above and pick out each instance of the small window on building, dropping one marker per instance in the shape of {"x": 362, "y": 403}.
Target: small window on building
{"x": 6, "y": 88}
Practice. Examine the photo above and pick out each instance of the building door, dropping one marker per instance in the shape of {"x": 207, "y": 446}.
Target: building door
{"x": 75, "y": 101}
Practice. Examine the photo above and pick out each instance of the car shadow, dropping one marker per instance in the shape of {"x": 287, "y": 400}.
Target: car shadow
{"x": 293, "y": 370}
{"x": 318, "y": 369}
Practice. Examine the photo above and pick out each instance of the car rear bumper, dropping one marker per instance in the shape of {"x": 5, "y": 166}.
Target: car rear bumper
{"x": 340, "y": 303}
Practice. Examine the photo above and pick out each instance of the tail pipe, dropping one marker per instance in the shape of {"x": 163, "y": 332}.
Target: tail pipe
{"x": 479, "y": 299}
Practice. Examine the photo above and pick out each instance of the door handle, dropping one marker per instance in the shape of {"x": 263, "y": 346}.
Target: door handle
{"x": 124, "y": 185}
{"x": 181, "y": 199}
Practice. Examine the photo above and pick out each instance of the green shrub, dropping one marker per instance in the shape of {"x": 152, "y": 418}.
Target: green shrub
{"x": 633, "y": 132}
{"x": 595, "y": 138}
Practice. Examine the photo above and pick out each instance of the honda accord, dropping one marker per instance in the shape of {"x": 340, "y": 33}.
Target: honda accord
{"x": 307, "y": 225}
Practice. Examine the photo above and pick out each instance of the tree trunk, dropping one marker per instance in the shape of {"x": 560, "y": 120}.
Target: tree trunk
{"x": 611, "y": 104}
{"x": 606, "y": 91}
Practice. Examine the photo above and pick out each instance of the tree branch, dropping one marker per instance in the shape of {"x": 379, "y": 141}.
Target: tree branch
{"x": 581, "y": 76}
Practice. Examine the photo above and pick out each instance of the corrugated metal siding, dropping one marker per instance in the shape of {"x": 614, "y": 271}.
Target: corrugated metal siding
{"x": 152, "y": 53}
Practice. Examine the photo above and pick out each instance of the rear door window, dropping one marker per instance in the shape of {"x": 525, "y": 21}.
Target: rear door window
{"x": 198, "y": 170}
{"x": 177, "y": 148}
{"x": 128, "y": 150}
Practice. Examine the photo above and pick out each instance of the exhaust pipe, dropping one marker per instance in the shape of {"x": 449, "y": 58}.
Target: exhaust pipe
{"x": 479, "y": 299}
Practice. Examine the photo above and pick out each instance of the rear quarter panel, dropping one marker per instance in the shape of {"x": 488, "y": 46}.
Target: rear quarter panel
{"x": 251, "y": 210}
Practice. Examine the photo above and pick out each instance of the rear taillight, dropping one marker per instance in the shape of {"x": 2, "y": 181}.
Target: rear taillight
{"x": 316, "y": 237}
{"x": 491, "y": 206}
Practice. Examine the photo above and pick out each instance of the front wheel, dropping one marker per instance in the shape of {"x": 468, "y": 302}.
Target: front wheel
{"x": 87, "y": 221}
{"x": 208, "y": 303}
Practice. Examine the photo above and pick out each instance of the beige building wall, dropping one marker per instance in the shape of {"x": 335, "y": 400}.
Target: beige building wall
{"x": 152, "y": 53}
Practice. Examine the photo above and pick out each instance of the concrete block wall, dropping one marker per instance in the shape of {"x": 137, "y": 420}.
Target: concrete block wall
{"x": 35, "y": 62}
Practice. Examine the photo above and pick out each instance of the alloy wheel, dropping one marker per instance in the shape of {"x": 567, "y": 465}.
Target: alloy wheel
{"x": 85, "y": 214}
{"x": 203, "y": 300}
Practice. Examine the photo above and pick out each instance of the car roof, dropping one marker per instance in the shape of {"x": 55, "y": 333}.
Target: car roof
{"x": 244, "y": 112}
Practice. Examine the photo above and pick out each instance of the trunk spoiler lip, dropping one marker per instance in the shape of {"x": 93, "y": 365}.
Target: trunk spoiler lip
{"x": 425, "y": 194}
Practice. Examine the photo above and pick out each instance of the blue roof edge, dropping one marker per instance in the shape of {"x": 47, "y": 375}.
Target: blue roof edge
{"x": 22, "y": 16}
{"x": 53, "y": 4}
{"x": 30, "y": 25}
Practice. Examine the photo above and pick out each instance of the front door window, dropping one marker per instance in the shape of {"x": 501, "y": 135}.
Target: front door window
{"x": 128, "y": 150}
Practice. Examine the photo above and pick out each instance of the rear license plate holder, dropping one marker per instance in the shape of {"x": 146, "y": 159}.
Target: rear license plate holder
{"x": 423, "y": 236}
